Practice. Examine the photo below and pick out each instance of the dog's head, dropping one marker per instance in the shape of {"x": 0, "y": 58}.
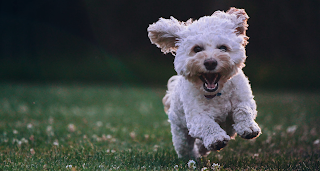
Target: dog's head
{"x": 208, "y": 51}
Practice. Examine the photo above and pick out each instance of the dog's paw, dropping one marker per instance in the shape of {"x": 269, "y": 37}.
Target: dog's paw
{"x": 217, "y": 142}
{"x": 218, "y": 145}
{"x": 247, "y": 130}
{"x": 250, "y": 135}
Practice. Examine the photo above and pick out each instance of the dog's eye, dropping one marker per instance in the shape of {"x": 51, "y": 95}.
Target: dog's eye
{"x": 197, "y": 49}
{"x": 223, "y": 48}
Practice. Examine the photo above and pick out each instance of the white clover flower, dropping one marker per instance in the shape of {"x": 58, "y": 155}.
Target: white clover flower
{"x": 109, "y": 136}
{"x": 69, "y": 166}
{"x": 99, "y": 124}
{"x": 56, "y": 143}
{"x": 32, "y": 151}
{"x": 204, "y": 169}
{"x": 23, "y": 140}
{"x": 256, "y": 155}
{"x": 192, "y": 164}
{"x": 176, "y": 167}
{"x": 292, "y": 129}
{"x": 155, "y": 147}
{"x": 29, "y": 126}
{"x": 215, "y": 166}
{"x": 71, "y": 127}
{"x": 146, "y": 136}
{"x": 15, "y": 131}
{"x": 133, "y": 135}
{"x": 49, "y": 130}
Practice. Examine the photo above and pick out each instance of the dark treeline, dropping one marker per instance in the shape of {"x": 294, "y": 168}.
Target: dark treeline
{"x": 35, "y": 34}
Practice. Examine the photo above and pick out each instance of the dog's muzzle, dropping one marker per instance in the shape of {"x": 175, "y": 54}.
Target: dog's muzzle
{"x": 210, "y": 81}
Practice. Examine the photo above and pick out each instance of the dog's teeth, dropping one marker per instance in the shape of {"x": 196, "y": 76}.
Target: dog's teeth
{"x": 207, "y": 86}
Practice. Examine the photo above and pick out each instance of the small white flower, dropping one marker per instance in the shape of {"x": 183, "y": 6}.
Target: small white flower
{"x": 56, "y": 143}
{"x": 15, "y": 131}
{"x": 256, "y": 155}
{"x": 23, "y": 140}
{"x": 32, "y": 151}
{"x": 292, "y": 129}
{"x": 49, "y": 130}
{"x": 69, "y": 166}
{"x": 146, "y": 136}
{"x": 109, "y": 136}
{"x": 29, "y": 126}
{"x": 99, "y": 124}
{"x": 204, "y": 169}
{"x": 71, "y": 127}
{"x": 133, "y": 135}
{"x": 155, "y": 147}
{"x": 191, "y": 164}
{"x": 176, "y": 167}
{"x": 316, "y": 142}
{"x": 215, "y": 166}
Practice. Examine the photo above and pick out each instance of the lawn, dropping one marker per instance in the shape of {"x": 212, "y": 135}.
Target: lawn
{"x": 103, "y": 127}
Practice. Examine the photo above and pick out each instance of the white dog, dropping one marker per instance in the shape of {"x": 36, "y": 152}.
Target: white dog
{"x": 210, "y": 100}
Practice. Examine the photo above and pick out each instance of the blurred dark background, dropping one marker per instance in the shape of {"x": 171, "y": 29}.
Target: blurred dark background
{"x": 106, "y": 41}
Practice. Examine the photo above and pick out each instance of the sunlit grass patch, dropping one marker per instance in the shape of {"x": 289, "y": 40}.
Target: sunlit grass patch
{"x": 101, "y": 127}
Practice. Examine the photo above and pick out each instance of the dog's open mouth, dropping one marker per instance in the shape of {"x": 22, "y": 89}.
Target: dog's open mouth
{"x": 210, "y": 81}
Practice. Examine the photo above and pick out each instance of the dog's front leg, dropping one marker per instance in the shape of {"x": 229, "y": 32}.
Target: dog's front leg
{"x": 244, "y": 123}
{"x": 205, "y": 128}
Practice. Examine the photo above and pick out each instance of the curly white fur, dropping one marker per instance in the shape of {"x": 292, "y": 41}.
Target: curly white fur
{"x": 210, "y": 100}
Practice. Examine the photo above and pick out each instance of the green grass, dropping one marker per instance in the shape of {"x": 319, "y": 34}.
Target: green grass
{"x": 103, "y": 127}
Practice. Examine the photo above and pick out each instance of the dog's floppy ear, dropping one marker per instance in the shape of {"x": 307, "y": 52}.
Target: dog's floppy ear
{"x": 165, "y": 34}
{"x": 240, "y": 20}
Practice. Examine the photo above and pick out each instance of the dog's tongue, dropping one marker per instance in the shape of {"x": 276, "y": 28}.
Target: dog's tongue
{"x": 210, "y": 80}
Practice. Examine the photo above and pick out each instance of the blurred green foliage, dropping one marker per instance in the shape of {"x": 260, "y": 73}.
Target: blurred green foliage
{"x": 106, "y": 41}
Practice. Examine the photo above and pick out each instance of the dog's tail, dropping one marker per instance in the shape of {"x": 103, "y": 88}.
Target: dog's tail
{"x": 171, "y": 86}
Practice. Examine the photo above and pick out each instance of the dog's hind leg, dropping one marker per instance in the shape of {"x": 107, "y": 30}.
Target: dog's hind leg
{"x": 171, "y": 86}
{"x": 183, "y": 142}
{"x": 199, "y": 149}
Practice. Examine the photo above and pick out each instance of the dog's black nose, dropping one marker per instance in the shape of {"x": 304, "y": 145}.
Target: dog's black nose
{"x": 210, "y": 64}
